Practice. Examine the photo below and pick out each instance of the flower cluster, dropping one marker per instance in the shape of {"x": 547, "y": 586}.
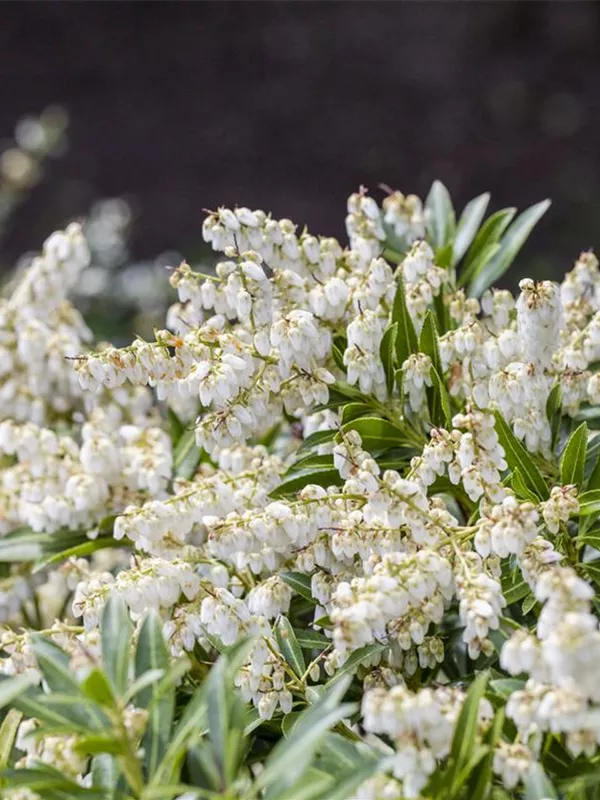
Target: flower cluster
{"x": 333, "y": 463}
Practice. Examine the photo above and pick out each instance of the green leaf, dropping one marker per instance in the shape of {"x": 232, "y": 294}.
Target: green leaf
{"x": 151, "y": 654}
{"x": 538, "y": 785}
{"x": 485, "y": 244}
{"x": 441, "y": 221}
{"x": 25, "y": 545}
{"x": 553, "y": 412}
{"x": 8, "y": 733}
{"x": 572, "y": 460}
{"x": 192, "y": 725}
{"x": 217, "y": 707}
{"x": 354, "y": 411}
{"x": 289, "y": 646}
{"x": 439, "y": 401}
{"x": 592, "y": 572}
{"x": 96, "y": 686}
{"x": 406, "y": 336}
{"x": 186, "y": 455}
{"x": 387, "y": 351}
{"x": 21, "y": 546}
{"x": 338, "y": 357}
{"x": 504, "y": 687}
{"x": 311, "y": 640}
{"x": 468, "y": 225}
{"x": 514, "y": 586}
{"x": 309, "y": 461}
{"x": 326, "y": 476}
{"x": 376, "y": 433}
{"x": 520, "y": 488}
{"x": 80, "y": 551}
{"x": 99, "y": 743}
{"x": 317, "y": 438}
{"x": 428, "y": 341}
{"x": 483, "y": 257}
{"x": 60, "y": 711}
{"x": 116, "y": 633}
{"x": 290, "y": 757}
{"x": 313, "y": 784}
{"x": 49, "y": 783}
{"x": 353, "y": 661}
{"x": 510, "y": 244}
{"x": 106, "y": 774}
{"x": 300, "y": 583}
{"x": 590, "y": 538}
{"x": 11, "y": 688}
{"x": 54, "y": 665}
{"x": 528, "y": 603}
{"x": 517, "y": 457}
{"x": 465, "y": 732}
{"x": 589, "y": 502}
{"x": 592, "y": 463}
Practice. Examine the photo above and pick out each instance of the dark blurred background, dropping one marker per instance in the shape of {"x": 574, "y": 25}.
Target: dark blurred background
{"x": 291, "y": 106}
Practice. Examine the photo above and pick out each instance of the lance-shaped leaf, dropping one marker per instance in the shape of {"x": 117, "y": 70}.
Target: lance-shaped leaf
{"x": 406, "y": 336}
{"x": 289, "y": 646}
{"x": 517, "y": 457}
{"x": 510, "y": 244}
{"x": 441, "y": 220}
{"x": 387, "y": 351}
{"x": 572, "y": 460}
{"x": 468, "y": 225}
{"x": 116, "y": 633}
{"x": 151, "y": 654}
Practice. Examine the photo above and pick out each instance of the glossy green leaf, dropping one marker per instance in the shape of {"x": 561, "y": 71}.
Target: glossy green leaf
{"x": 468, "y": 225}
{"x": 466, "y": 728}
{"x": 354, "y": 411}
{"x": 387, "y": 351}
{"x": 152, "y": 654}
{"x": 96, "y": 686}
{"x": 485, "y": 243}
{"x": 354, "y": 661}
{"x": 116, "y": 634}
{"x": 553, "y": 412}
{"x": 11, "y": 688}
{"x": 186, "y": 455}
{"x": 504, "y": 687}
{"x": 105, "y": 774}
{"x": 375, "y": 432}
{"x": 290, "y": 757}
{"x": 520, "y": 487}
{"x": 439, "y": 401}
{"x": 589, "y": 503}
{"x": 428, "y": 341}
{"x": 478, "y": 264}
{"x": 311, "y": 640}
{"x": 514, "y": 586}
{"x": 510, "y": 244}
{"x": 325, "y": 476}
{"x": 289, "y": 646}
{"x": 406, "y": 336}
{"x": 300, "y": 583}
{"x": 441, "y": 222}
{"x": 572, "y": 460}
{"x": 8, "y": 733}
{"x": 317, "y": 438}
{"x": 517, "y": 457}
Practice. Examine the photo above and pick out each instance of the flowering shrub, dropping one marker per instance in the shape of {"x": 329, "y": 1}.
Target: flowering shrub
{"x": 331, "y": 535}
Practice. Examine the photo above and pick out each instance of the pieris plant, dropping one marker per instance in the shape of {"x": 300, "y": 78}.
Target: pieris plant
{"x": 332, "y": 534}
